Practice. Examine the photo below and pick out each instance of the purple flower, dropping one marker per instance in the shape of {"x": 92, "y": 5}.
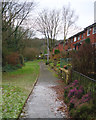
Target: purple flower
{"x": 72, "y": 92}
{"x": 85, "y": 98}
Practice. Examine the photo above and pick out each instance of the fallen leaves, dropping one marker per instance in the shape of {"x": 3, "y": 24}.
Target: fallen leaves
{"x": 59, "y": 89}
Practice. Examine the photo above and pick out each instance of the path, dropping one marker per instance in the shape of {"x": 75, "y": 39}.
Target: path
{"x": 42, "y": 102}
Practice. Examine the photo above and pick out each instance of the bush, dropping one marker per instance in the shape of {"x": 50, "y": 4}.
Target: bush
{"x": 83, "y": 59}
{"x": 56, "y": 51}
{"x": 82, "y": 111}
{"x": 58, "y": 65}
{"x": 52, "y": 65}
{"x": 19, "y": 66}
{"x": 9, "y": 68}
{"x": 80, "y": 105}
{"x": 46, "y": 62}
{"x": 87, "y": 40}
{"x": 13, "y": 58}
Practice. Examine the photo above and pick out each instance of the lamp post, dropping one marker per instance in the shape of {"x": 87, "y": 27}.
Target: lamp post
{"x": 47, "y": 50}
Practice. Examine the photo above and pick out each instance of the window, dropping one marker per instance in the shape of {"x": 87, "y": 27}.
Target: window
{"x": 74, "y": 39}
{"x": 88, "y": 32}
{"x": 94, "y": 29}
{"x": 78, "y": 37}
{"x": 71, "y": 40}
{"x": 82, "y": 36}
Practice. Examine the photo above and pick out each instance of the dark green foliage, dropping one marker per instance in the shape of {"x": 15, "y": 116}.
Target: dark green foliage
{"x": 56, "y": 51}
{"x": 10, "y": 68}
{"x": 82, "y": 111}
{"x": 87, "y": 40}
{"x": 46, "y": 62}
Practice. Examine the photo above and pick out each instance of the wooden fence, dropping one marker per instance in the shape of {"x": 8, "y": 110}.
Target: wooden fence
{"x": 88, "y": 83}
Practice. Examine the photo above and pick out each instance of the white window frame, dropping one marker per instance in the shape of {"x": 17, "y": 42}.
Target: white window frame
{"x": 79, "y": 37}
{"x": 74, "y": 39}
{"x": 71, "y": 40}
{"x": 82, "y": 35}
{"x": 88, "y": 30}
{"x": 94, "y": 30}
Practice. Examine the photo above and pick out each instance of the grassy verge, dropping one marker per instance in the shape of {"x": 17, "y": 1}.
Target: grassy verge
{"x": 16, "y": 87}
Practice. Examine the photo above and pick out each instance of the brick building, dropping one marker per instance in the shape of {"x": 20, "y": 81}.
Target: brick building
{"x": 75, "y": 41}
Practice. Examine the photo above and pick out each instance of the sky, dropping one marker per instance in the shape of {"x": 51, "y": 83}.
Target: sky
{"x": 84, "y": 9}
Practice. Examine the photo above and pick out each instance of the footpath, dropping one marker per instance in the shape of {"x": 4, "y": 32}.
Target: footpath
{"x": 43, "y": 102}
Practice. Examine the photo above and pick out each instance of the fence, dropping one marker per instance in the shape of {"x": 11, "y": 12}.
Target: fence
{"x": 88, "y": 83}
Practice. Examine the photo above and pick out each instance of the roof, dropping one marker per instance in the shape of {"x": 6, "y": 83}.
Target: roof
{"x": 90, "y": 26}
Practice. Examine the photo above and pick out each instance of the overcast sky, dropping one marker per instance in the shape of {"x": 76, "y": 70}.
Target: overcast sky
{"x": 83, "y": 8}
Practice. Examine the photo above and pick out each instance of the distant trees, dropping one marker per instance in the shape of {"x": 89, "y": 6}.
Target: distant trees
{"x": 30, "y": 53}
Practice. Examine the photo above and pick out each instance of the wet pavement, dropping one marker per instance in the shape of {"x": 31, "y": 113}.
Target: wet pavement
{"x": 42, "y": 102}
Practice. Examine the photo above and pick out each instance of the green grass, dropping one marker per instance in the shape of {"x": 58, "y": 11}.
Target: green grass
{"x": 16, "y": 87}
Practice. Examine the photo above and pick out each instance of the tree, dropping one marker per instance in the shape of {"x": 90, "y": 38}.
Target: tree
{"x": 48, "y": 23}
{"x": 14, "y": 15}
{"x": 68, "y": 18}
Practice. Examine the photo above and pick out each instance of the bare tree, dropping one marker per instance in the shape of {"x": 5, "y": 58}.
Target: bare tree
{"x": 48, "y": 23}
{"x": 14, "y": 14}
{"x": 68, "y": 18}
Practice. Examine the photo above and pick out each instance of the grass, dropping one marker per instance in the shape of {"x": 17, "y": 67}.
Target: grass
{"x": 16, "y": 87}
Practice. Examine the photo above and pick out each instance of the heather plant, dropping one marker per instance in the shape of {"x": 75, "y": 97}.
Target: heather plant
{"x": 72, "y": 102}
{"x": 77, "y": 100}
{"x": 86, "y": 98}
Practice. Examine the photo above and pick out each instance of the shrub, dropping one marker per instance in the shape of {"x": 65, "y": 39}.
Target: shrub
{"x": 83, "y": 59}
{"x": 65, "y": 93}
{"x": 80, "y": 104}
{"x": 46, "y": 62}
{"x": 19, "y": 66}
{"x": 13, "y": 58}
{"x": 82, "y": 111}
{"x": 87, "y": 40}
{"x": 86, "y": 98}
{"x": 58, "y": 65}
{"x": 8, "y": 68}
{"x": 56, "y": 51}
{"x": 52, "y": 65}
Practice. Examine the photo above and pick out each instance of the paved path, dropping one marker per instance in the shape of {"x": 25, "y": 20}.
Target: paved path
{"x": 42, "y": 102}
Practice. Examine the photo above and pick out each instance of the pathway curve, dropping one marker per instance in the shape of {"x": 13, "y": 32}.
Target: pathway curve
{"x": 42, "y": 102}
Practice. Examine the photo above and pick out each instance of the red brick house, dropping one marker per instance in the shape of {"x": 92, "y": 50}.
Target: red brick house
{"x": 74, "y": 42}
